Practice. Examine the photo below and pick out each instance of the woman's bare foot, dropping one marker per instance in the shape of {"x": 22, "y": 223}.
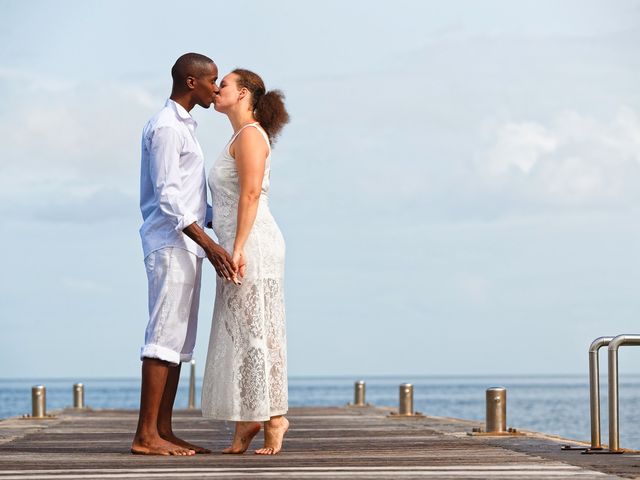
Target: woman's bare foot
{"x": 245, "y": 431}
{"x": 274, "y": 431}
{"x": 170, "y": 437}
{"x": 158, "y": 446}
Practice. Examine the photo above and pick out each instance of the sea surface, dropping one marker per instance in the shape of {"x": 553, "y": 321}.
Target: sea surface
{"x": 556, "y": 405}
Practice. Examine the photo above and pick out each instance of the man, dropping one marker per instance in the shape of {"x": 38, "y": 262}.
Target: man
{"x": 173, "y": 201}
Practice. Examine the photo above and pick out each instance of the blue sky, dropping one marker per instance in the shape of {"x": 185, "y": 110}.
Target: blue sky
{"x": 458, "y": 187}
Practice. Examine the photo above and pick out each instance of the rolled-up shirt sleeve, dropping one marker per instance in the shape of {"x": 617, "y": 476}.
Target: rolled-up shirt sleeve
{"x": 165, "y": 147}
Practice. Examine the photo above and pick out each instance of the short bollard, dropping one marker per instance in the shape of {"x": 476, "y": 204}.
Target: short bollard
{"x": 496, "y": 415}
{"x": 78, "y": 395}
{"x": 192, "y": 386}
{"x": 405, "y": 404}
{"x": 38, "y": 401}
{"x": 359, "y": 394}
{"x": 496, "y": 420}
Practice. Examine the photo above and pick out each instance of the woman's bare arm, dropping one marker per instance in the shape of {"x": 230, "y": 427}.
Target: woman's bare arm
{"x": 250, "y": 152}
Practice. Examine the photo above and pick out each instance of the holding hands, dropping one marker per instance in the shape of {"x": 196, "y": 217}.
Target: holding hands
{"x": 222, "y": 262}
{"x": 232, "y": 268}
{"x": 225, "y": 266}
{"x": 239, "y": 260}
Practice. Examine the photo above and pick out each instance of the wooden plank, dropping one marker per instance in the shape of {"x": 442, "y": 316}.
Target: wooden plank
{"x": 322, "y": 443}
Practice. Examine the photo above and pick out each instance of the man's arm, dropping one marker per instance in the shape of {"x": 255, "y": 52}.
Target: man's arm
{"x": 217, "y": 255}
{"x": 165, "y": 174}
{"x": 164, "y": 167}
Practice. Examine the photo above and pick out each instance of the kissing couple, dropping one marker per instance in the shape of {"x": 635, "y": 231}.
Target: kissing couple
{"x": 245, "y": 378}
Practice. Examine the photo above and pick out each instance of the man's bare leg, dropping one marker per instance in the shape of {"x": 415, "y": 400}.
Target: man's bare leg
{"x": 147, "y": 440}
{"x": 165, "y": 429}
{"x": 244, "y": 433}
{"x": 274, "y": 430}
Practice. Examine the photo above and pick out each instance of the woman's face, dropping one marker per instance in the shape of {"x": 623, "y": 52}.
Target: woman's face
{"x": 229, "y": 94}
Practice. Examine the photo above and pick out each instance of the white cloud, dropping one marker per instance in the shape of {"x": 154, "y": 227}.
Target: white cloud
{"x": 92, "y": 128}
{"x": 72, "y": 156}
{"x": 39, "y": 82}
{"x": 86, "y": 205}
{"x": 575, "y": 160}
{"x": 519, "y": 145}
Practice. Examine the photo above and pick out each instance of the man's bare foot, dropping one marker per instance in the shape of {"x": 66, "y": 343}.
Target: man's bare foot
{"x": 170, "y": 437}
{"x": 274, "y": 431}
{"x": 245, "y": 431}
{"x": 158, "y": 446}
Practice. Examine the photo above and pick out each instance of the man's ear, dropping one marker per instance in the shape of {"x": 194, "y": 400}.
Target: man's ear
{"x": 191, "y": 83}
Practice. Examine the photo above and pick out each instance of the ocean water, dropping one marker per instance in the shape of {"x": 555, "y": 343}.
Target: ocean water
{"x": 556, "y": 405}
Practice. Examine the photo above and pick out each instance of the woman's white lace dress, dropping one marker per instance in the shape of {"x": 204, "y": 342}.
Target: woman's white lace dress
{"x": 245, "y": 377}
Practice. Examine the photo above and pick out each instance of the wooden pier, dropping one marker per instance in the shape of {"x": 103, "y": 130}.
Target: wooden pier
{"x": 332, "y": 443}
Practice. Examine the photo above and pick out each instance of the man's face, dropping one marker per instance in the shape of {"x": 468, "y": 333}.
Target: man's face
{"x": 205, "y": 87}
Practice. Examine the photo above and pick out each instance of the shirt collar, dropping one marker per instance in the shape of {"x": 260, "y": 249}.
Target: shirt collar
{"x": 180, "y": 111}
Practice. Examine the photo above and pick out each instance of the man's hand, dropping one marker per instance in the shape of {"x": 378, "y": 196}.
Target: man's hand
{"x": 217, "y": 255}
{"x": 221, "y": 261}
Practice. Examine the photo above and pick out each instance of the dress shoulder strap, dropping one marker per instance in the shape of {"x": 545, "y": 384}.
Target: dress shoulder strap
{"x": 258, "y": 127}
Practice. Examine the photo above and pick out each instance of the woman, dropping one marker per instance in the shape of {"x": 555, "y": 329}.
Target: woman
{"x": 245, "y": 378}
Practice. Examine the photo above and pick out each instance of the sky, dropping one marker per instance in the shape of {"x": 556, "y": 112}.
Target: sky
{"x": 458, "y": 186}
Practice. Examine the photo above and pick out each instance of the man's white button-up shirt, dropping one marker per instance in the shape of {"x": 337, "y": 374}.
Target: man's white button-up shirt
{"x": 173, "y": 187}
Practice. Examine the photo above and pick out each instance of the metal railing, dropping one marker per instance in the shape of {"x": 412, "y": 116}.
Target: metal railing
{"x": 614, "y": 420}
{"x": 613, "y": 344}
{"x": 594, "y": 389}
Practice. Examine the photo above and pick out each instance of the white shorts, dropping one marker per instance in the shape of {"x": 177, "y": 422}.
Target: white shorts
{"x": 174, "y": 296}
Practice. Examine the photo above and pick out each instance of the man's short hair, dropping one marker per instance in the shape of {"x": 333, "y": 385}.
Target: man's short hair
{"x": 190, "y": 65}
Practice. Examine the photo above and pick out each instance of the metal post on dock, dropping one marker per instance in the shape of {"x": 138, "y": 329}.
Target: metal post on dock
{"x": 405, "y": 403}
{"x": 614, "y": 420}
{"x": 496, "y": 414}
{"x": 594, "y": 389}
{"x": 614, "y": 343}
{"x": 192, "y": 385}
{"x": 78, "y": 396}
{"x": 359, "y": 394}
{"x": 496, "y": 419}
{"x": 38, "y": 401}
{"x": 594, "y": 397}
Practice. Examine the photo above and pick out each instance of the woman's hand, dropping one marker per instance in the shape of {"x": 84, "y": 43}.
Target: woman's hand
{"x": 238, "y": 259}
